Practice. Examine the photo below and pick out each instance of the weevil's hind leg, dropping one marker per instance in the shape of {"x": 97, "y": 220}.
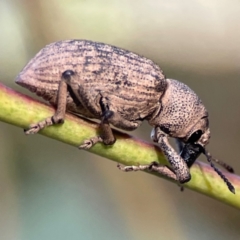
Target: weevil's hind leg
{"x": 59, "y": 115}
{"x": 108, "y": 117}
{"x": 153, "y": 167}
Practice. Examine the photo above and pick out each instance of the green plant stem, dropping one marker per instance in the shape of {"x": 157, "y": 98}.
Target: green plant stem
{"x": 21, "y": 111}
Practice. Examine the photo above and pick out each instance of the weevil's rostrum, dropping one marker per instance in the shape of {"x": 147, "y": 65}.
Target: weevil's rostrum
{"x": 120, "y": 88}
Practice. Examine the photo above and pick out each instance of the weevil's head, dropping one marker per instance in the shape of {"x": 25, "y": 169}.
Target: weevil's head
{"x": 183, "y": 115}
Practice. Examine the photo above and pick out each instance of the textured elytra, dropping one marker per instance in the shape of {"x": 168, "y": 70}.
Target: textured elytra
{"x": 121, "y": 88}
{"x": 130, "y": 80}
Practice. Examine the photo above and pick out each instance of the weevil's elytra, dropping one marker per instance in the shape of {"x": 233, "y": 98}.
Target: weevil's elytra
{"x": 101, "y": 67}
{"x": 121, "y": 88}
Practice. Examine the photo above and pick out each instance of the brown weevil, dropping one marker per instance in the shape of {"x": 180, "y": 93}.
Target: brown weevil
{"x": 121, "y": 88}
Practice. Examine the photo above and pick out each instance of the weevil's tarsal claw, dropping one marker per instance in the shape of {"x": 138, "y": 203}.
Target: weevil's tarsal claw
{"x": 133, "y": 168}
{"x": 149, "y": 167}
{"x": 87, "y": 144}
{"x": 36, "y": 127}
{"x": 228, "y": 183}
{"x": 32, "y": 129}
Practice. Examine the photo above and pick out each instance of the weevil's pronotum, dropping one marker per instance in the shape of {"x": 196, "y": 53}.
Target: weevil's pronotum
{"x": 121, "y": 88}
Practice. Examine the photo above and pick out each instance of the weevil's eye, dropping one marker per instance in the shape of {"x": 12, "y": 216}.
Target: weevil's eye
{"x": 195, "y": 136}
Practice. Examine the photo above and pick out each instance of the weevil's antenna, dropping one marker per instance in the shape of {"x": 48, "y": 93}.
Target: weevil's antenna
{"x": 210, "y": 159}
{"x": 223, "y": 164}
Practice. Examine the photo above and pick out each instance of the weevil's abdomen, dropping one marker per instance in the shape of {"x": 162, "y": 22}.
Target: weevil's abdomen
{"x": 134, "y": 80}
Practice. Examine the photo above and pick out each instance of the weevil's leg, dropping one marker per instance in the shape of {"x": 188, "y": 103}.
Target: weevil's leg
{"x": 88, "y": 143}
{"x": 180, "y": 146}
{"x": 115, "y": 118}
{"x": 177, "y": 163}
{"x": 108, "y": 117}
{"x": 106, "y": 135}
{"x": 153, "y": 167}
{"x": 59, "y": 115}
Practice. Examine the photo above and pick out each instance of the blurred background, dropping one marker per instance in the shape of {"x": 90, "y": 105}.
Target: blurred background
{"x": 49, "y": 190}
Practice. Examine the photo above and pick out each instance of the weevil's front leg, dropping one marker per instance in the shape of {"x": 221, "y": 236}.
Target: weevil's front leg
{"x": 177, "y": 163}
{"x": 59, "y": 115}
{"x": 153, "y": 167}
{"x": 180, "y": 146}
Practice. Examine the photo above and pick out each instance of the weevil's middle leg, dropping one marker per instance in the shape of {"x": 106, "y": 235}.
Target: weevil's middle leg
{"x": 108, "y": 116}
{"x": 106, "y": 135}
{"x": 59, "y": 115}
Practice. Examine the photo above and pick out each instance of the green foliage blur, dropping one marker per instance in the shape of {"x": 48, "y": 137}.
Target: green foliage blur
{"x": 50, "y": 191}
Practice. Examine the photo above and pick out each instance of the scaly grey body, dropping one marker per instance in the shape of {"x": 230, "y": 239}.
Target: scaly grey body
{"x": 120, "y": 88}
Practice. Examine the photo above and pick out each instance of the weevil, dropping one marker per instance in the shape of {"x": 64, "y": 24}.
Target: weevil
{"x": 121, "y": 88}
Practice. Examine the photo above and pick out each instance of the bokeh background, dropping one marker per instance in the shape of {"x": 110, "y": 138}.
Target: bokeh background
{"x": 50, "y": 191}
